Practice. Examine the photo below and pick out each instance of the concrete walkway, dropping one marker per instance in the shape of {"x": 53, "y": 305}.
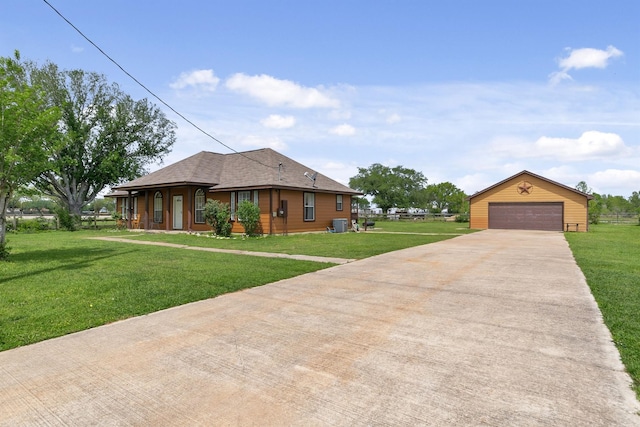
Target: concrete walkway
{"x": 493, "y": 328}
{"x": 332, "y": 260}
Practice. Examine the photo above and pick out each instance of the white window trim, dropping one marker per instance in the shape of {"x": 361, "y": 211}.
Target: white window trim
{"x": 306, "y": 206}
{"x": 233, "y": 205}
{"x": 199, "y": 193}
{"x": 160, "y": 211}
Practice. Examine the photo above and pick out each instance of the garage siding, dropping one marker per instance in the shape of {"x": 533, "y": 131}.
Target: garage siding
{"x": 543, "y": 191}
{"x": 526, "y": 216}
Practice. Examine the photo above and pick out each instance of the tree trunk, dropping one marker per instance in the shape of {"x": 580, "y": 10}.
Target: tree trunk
{"x": 4, "y": 200}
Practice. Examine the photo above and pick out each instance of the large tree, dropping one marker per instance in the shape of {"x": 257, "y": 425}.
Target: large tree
{"x": 390, "y": 187}
{"x": 27, "y": 135}
{"x": 445, "y": 195}
{"x": 107, "y": 136}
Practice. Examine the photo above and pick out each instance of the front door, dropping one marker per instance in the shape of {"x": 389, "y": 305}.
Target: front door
{"x": 177, "y": 212}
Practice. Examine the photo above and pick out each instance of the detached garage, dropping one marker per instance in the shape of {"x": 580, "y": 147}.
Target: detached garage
{"x": 527, "y": 201}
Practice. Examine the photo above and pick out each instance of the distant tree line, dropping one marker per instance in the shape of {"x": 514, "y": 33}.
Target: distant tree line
{"x": 31, "y": 202}
{"x": 606, "y": 204}
{"x": 401, "y": 187}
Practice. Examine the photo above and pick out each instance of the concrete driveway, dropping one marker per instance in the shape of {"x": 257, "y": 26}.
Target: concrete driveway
{"x": 493, "y": 328}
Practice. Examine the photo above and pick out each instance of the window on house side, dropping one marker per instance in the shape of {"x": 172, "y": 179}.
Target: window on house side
{"x": 125, "y": 208}
{"x": 309, "y": 206}
{"x": 199, "y": 202}
{"x": 157, "y": 207}
{"x": 338, "y": 202}
{"x": 244, "y": 195}
{"x": 135, "y": 208}
{"x": 233, "y": 205}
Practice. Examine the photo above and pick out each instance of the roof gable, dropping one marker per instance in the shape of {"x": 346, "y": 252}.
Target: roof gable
{"x": 225, "y": 172}
{"x": 525, "y": 172}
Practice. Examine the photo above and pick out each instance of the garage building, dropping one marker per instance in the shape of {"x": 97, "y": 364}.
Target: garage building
{"x": 527, "y": 201}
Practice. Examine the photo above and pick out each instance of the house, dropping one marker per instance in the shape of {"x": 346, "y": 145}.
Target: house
{"x": 527, "y": 201}
{"x": 291, "y": 197}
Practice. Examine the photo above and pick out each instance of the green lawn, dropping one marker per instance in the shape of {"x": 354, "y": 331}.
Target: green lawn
{"x": 609, "y": 256}
{"x": 59, "y": 282}
{"x": 341, "y": 245}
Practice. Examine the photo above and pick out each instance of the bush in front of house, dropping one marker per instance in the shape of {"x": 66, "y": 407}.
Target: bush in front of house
{"x": 249, "y": 216}
{"x": 218, "y": 214}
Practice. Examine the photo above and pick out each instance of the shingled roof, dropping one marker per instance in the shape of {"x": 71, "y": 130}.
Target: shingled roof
{"x": 263, "y": 168}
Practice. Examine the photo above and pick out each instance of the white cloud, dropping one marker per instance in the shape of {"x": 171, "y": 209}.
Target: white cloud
{"x": 332, "y": 165}
{"x": 275, "y": 121}
{"x": 343, "y": 130}
{"x": 258, "y": 141}
{"x": 590, "y": 145}
{"x": 583, "y": 58}
{"x": 201, "y": 79}
{"x": 588, "y": 58}
{"x": 275, "y": 92}
{"x": 393, "y": 118}
{"x": 339, "y": 115}
{"x": 621, "y": 178}
{"x": 76, "y": 49}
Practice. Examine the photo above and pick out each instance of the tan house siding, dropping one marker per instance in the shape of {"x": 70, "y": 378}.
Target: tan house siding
{"x": 575, "y": 204}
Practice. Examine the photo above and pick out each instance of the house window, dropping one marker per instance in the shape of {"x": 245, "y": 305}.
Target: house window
{"x": 135, "y": 208}
{"x": 199, "y": 201}
{"x": 157, "y": 207}
{"x": 338, "y": 202}
{"x": 233, "y": 205}
{"x": 125, "y": 208}
{"x": 244, "y": 195}
{"x": 309, "y": 206}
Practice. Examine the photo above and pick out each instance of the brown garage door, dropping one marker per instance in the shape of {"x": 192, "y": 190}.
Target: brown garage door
{"x": 526, "y": 216}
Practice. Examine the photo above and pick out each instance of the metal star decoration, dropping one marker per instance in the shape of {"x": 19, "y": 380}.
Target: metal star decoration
{"x": 525, "y": 187}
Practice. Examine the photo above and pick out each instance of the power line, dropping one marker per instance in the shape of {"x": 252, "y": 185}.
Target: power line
{"x": 149, "y": 90}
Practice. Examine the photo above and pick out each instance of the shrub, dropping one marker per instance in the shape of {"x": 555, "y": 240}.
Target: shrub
{"x": 249, "y": 216}
{"x": 217, "y": 214}
{"x": 67, "y": 220}
{"x": 33, "y": 225}
{"x": 462, "y": 217}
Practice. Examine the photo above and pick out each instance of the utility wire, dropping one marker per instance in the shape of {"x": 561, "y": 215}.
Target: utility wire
{"x": 149, "y": 90}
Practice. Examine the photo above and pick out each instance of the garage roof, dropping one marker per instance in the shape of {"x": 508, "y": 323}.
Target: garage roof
{"x": 588, "y": 196}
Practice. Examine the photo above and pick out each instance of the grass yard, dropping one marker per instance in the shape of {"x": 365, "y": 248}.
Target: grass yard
{"x": 58, "y": 282}
{"x": 341, "y": 245}
{"x": 609, "y": 256}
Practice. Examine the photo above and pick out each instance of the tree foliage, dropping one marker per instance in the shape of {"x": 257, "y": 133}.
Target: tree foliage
{"x": 218, "y": 214}
{"x": 107, "y": 137}
{"x": 249, "y": 216}
{"x": 445, "y": 195}
{"x": 596, "y": 206}
{"x": 390, "y": 187}
{"x": 27, "y": 134}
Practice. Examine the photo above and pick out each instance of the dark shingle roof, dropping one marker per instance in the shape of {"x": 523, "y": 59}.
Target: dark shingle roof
{"x": 262, "y": 168}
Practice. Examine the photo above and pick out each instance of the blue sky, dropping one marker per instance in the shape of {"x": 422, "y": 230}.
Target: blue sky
{"x": 464, "y": 91}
